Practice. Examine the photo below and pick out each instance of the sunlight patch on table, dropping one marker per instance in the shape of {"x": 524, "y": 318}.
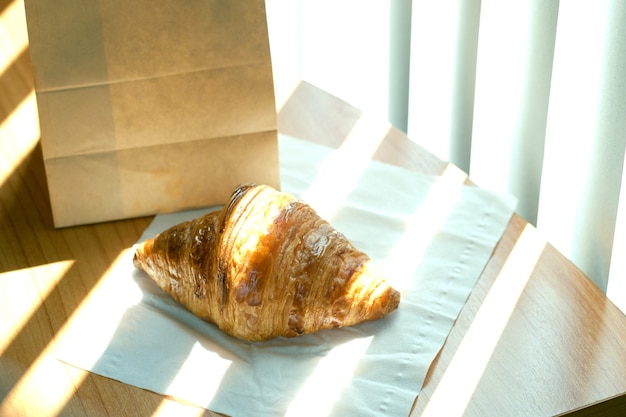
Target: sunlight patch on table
{"x": 47, "y": 379}
{"x": 13, "y": 34}
{"x": 171, "y": 408}
{"x": 19, "y": 134}
{"x": 30, "y": 287}
{"x": 339, "y": 173}
{"x": 469, "y": 362}
{"x": 102, "y": 310}
{"x": 105, "y": 326}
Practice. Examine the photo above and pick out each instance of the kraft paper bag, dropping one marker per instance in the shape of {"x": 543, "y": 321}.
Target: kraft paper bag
{"x": 151, "y": 106}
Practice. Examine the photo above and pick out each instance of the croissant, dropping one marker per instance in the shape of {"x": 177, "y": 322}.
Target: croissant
{"x": 266, "y": 265}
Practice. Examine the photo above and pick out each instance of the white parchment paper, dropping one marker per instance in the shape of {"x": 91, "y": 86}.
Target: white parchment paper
{"x": 431, "y": 235}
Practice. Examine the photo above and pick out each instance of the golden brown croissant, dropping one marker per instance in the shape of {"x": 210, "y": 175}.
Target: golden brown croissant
{"x": 266, "y": 265}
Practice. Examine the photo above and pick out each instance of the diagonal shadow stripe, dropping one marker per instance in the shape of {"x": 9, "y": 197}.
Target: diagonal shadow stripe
{"x": 17, "y": 83}
{"x": 4, "y": 4}
{"x": 28, "y": 240}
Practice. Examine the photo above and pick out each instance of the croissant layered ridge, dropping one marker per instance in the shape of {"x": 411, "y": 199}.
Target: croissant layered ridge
{"x": 266, "y": 265}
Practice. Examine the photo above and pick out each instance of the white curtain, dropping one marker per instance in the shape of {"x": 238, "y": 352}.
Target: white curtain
{"x": 529, "y": 97}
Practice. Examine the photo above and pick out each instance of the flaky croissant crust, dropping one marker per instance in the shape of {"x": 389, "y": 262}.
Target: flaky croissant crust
{"x": 266, "y": 265}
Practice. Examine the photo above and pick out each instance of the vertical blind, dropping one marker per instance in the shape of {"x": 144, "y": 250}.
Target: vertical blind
{"x": 527, "y": 97}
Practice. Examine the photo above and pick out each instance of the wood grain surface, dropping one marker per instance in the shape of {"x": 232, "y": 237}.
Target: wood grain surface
{"x": 536, "y": 337}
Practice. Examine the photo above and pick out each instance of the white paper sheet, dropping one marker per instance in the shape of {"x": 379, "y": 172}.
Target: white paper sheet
{"x": 431, "y": 235}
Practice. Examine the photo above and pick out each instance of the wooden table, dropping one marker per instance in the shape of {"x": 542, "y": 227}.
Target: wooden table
{"x": 536, "y": 337}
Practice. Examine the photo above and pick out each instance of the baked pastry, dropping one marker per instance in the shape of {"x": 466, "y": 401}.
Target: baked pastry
{"x": 266, "y": 265}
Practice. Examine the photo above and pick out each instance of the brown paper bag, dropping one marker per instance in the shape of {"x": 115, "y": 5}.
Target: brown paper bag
{"x": 151, "y": 106}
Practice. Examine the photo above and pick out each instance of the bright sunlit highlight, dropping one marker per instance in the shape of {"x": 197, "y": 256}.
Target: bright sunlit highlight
{"x": 575, "y": 103}
{"x": 423, "y": 224}
{"x": 13, "y": 34}
{"x": 616, "y": 289}
{"x": 340, "y": 172}
{"x": 469, "y": 362}
{"x": 433, "y": 39}
{"x": 332, "y": 374}
{"x": 20, "y": 132}
{"x": 47, "y": 379}
{"x": 169, "y": 408}
{"x": 30, "y": 287}
{"x": 186, "y": 384}
{"x": 503, "y": 61}
{"x": 114, "y": 294}
{"x": 349, "y": 57}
